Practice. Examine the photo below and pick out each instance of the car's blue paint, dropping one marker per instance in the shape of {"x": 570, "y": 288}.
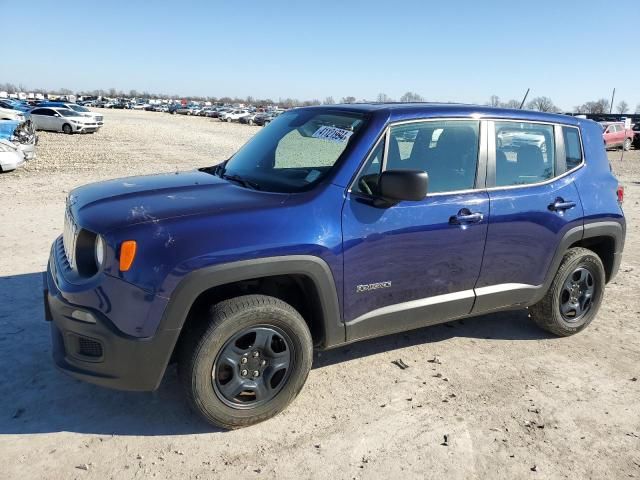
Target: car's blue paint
{"x": 413, "y": 246}
{"x": 186, "y": 221}
{"x": 524, "y": 234}
{"x": 7, "y": 128}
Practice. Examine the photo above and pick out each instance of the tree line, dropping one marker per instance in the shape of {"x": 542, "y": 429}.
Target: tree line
{"x": 542, "y": 103}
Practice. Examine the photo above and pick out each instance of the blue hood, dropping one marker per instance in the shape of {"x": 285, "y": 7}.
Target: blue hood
{"x": 7, "y": 128}
{"x": 105, "y": 206}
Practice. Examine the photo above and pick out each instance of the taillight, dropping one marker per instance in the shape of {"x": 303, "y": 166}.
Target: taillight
{"x": 620, "y": 193}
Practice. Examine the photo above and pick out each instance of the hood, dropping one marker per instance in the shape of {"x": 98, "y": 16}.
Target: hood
{"x": 7, "y": 128}
{"x": 105, "y": 206}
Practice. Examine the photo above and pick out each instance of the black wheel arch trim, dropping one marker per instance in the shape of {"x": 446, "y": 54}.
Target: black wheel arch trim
{"x": 610, "y": 228}
{"x": 198, "y": 281}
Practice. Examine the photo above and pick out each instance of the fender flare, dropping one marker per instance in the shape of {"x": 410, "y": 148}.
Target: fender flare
{"x": 613, "y": 229}
{"x": 198, "y": 281}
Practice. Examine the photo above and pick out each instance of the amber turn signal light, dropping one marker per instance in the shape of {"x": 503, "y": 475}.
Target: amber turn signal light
{"x": 127, "y": 254}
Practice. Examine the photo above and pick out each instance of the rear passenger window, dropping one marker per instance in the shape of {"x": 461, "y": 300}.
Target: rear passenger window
{"x": 446, "y": 149}
{"x": 524, "y": 153}
{"x": 572, "y": 147}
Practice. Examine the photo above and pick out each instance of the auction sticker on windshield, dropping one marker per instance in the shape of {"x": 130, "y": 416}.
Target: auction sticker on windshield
{"x": 333, "y": 134}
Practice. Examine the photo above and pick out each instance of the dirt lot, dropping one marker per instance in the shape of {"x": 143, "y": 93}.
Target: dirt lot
{"x": 513, "y": 401}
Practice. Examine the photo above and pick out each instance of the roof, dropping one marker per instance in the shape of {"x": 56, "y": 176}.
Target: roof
{"x": 409, "y": 111}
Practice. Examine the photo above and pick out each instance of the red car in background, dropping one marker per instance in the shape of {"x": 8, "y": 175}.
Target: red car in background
{"x": 615, "y": 135}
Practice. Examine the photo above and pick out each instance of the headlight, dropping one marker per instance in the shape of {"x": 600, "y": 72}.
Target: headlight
{"x": 100, "y": 251}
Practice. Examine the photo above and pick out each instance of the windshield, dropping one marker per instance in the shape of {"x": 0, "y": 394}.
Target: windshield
{"x": 78, "y": 108}
{"x": 296, "y": 150}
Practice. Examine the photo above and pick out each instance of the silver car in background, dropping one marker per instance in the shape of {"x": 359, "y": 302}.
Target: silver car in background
{"x": 56, "y": 119}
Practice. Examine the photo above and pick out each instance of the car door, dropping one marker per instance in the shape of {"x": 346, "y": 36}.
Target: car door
{"x": 415, "y": 263}
{"x": 41, "y": 118}
{"x": 534, "y": 203}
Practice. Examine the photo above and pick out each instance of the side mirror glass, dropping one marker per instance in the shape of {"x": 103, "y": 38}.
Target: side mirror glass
{"x": 398, "y": 185}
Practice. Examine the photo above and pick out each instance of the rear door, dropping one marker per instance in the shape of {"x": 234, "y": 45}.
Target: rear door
{"x": 41, "y": 117}
{"x": 415, "y": 263}
{"x": 534, "y": 202}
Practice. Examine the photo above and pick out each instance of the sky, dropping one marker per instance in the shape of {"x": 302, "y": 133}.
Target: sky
{"x": 572, "y": 51}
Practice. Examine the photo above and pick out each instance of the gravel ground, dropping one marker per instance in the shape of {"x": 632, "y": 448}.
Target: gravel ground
{"x": 513, "y": 401}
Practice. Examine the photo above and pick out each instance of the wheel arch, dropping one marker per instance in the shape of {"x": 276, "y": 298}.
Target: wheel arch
{"x": 309, "y": 283}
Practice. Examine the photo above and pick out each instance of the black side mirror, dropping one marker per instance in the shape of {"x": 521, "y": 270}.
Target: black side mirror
{"x": 398, "y": 185}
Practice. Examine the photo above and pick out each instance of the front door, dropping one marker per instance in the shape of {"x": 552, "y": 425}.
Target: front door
{"x": 416, "y": 263}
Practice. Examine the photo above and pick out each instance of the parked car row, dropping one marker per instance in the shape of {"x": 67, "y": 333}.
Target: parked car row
{"x": 17, "y": 143}
{"x": 248, "y": 116}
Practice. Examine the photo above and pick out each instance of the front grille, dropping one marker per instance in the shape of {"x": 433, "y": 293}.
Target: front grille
{"x": 89, "y": 348}
{"x": 69, "y": 237}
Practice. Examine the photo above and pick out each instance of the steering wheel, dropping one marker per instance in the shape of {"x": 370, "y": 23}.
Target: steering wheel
{"x": 364, "y": 186}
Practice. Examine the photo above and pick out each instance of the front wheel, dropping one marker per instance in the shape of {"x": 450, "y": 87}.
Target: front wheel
{"x": 575, "y": 295}
{"x": 66, "y": 128}
{"x": 246, "y": 361}
{"x": 627, "y": 144}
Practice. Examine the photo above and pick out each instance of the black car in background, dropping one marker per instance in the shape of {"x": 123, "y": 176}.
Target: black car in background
{"x": 636, "y": 136}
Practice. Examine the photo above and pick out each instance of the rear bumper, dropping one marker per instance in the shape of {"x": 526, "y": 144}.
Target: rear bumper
{"x": 97, "y": 351}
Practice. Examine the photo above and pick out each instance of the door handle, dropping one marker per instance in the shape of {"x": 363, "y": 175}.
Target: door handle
{"x": 560, "y": 205}
{"x": 464, "y": 217}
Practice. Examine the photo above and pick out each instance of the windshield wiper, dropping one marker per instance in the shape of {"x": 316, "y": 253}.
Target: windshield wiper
{"x": 241, "y": 180}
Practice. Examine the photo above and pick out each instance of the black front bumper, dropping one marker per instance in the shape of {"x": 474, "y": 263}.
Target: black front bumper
{"x": 98, "y": 352}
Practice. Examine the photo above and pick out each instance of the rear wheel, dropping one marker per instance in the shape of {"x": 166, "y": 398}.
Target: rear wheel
{"x": 627, "y": 144}
{"x": 246, "y": 362}
{"x": 66, "y": 128}
{"x": 575, "y": 295}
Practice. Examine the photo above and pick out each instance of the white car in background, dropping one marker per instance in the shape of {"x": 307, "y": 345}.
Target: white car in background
{"x": 56, "y": 119}
{"x": 232, "y": 115}
{"x": 10, "y": 156}
{"x": 99, "y": 118}
{"x": 11, "y": 114}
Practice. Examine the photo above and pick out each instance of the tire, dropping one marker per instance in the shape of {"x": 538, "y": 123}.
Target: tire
{"x": 548, "y": 312}
{"x": 626, "y": 146}
{"x": 250, "y": 122}
{"x": 66, "y": 128}
{"x": 211, "y": 357}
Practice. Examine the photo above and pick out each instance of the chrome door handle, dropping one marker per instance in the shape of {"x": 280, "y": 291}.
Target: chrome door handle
{"x": 464, "y": 217}
{"x": 560, "y": 205}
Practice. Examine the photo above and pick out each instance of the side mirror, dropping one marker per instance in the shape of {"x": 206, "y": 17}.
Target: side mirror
{"x": 56, "y": 114}
{"x": 398, "y": 185}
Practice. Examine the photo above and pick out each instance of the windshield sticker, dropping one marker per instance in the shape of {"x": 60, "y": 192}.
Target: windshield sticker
{"x": 312, "y": 176}
{"x": 333, "y": 134}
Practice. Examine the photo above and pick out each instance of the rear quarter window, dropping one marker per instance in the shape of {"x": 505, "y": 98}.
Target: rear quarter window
{"x": 572, "y": 147}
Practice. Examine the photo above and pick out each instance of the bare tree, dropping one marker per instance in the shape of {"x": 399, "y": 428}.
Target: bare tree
{"x": 542, "y": 104}
{"x": 348, "y": 100}
{"x": 383, "y": 97}
{"x": 599, "y": 106}
{"x": 622, "y": 107}
{"x": 494, "y": 101}
{"x": 411, "y": 97}
{"x": 329, "y": 101}
{"x": 511, "y": 104}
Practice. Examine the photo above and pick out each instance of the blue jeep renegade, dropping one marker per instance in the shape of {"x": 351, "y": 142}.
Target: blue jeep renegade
{"x": 332, "y": 225}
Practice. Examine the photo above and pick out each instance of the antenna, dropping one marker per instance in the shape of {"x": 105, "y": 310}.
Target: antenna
{"x": 524, "y": 99}
{"x": 613, "y": 95}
